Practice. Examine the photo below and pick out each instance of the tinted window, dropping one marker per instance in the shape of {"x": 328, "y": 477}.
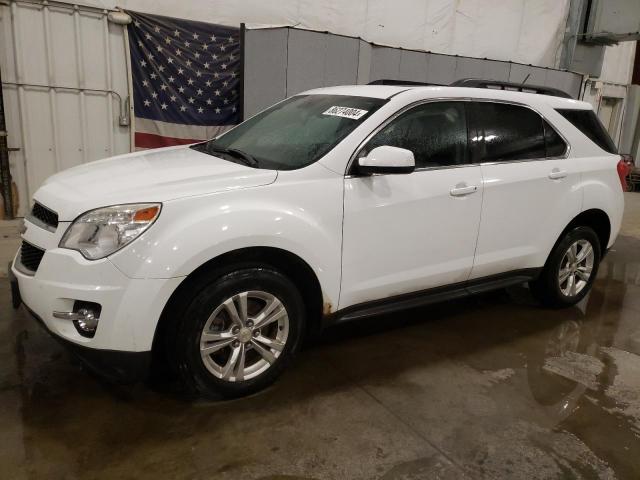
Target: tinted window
{"x": 435, "y": 132}
{"x": 296, "y": 132}
{"x": 556, "y": 146}
{"x": 508, "y": 132}
{"x": 588, "y": 123}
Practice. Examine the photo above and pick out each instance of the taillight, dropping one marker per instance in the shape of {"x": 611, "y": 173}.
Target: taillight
{"x": 624, "y": 168}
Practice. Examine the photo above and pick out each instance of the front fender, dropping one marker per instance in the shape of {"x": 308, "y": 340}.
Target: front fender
{"x": 302, "y": 217}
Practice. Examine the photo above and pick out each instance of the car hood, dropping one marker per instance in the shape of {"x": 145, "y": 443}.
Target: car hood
{"x": 150, "y": 176}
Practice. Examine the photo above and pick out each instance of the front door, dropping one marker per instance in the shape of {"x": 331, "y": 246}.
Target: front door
{"x": 404, "y": 233}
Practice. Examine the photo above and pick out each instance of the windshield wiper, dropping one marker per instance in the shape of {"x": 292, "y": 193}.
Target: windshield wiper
{"x": 234, "y": 152}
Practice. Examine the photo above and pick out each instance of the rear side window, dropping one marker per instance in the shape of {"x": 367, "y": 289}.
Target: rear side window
{"x": 588, "y": 123}
{"x": 556, "y": 146}
{"x": 508, "y": 132}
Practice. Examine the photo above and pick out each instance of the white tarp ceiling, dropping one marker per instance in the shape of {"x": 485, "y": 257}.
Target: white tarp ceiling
{"x": 526, "y": 31}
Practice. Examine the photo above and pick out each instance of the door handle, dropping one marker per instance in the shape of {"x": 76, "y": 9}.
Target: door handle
{"x": 557, "y": 174}
{"x": 462, "y": 190}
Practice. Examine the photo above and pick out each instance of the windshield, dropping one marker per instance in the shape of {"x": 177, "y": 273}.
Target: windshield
{"x": 293, "y": 133}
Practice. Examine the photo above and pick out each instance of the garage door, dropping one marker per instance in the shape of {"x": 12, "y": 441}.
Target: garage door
{"x": 65, "y": 85}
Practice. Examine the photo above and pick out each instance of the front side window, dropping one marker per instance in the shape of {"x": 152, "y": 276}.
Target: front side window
{"x": 293, "y": 133}
{"x": 508, "y": 132}
{"x": 436, "y": 133}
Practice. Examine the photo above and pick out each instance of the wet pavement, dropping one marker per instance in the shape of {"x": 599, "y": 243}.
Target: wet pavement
{"x": 488, "y": 387}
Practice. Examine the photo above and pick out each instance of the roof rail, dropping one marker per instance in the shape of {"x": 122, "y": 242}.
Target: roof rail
{"x": 519, "y": 87}
{"x": 389, "y": 81}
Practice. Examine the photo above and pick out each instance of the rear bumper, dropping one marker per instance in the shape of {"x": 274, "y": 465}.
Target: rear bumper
{"x": 114, "y": 365}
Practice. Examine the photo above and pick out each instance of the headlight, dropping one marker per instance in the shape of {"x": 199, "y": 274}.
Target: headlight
{"x": 98, "y": 233}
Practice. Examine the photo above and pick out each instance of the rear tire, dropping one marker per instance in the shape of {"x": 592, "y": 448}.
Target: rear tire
{"x": 570, "y": 270}
{"x": 238, "y": 332}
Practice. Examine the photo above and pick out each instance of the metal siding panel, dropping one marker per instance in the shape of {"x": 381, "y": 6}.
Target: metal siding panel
{"x": 413, "y": 66}
{"x": 265, "y": 73}
{"x": 57, "y": 123}
{"x": 440, "y": 69}
{"x": 305, "y": 60}
{"x": 68, "y": 119}
{"x": 93, "y": 50}
{"x": 14, "y": 140}
{"x": 31, "y": 43}
{"x": 39, "y": 136}
{"x": 99, "y": 127}
{"x": 63, "y": 48}
{"x": 341, "y": 61}
{"x": 7, "y": 62}
{"x": 385, "y": 63}
{"x": 119, "y": 76}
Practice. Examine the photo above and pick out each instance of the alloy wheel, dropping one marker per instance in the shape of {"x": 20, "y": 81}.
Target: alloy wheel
{"x": 576, "y": 268}
{"x": 244, "y": 336}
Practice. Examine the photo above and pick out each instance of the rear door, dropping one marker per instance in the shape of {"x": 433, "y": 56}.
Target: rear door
{"x": 408, "y": 232}
{"x": 530, "y": 187}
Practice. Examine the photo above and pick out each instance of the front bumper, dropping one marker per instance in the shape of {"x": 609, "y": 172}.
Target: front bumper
{"x": 117, "y": 366}
{"x": 130, "y": 308}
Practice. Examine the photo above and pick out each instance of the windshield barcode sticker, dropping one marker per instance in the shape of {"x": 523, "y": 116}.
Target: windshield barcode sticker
{"x": 346, "y": 112}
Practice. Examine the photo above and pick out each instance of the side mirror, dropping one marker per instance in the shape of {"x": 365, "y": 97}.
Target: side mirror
{"x": 387, "y": 159}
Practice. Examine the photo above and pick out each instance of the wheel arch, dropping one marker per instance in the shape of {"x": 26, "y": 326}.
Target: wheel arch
{"x": 596, "y": 219}
{"x": 289, "y": 264}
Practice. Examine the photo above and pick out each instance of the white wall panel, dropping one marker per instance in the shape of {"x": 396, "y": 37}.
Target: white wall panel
{"x": 52, "y": 58}
{"x": 525, "y": 31}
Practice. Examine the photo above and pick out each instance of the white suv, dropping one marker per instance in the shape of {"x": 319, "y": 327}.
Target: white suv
{"x": 332, "y": 205}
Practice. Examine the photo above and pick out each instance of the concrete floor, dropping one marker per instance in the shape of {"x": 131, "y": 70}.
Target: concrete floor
{"x": 489, "y": 387}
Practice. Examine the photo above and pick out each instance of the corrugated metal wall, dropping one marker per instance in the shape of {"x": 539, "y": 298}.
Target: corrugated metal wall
{"x": 281, "y": 62}
{"x": 64, "y": 75}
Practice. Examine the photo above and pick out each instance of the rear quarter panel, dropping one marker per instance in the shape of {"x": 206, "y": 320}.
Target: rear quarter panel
{"x": 599, "y": 182}
{"x": 602, "y": 189}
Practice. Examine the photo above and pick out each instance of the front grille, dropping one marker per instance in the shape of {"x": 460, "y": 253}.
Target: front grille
{"x": 30, "y": 256}
{"x": 46, "y": 216}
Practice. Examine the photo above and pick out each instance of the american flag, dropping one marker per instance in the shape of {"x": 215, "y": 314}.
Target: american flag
{"x": 186, "y": 79}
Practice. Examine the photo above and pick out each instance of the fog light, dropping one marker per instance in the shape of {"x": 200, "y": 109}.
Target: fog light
{"x": 86, "y": 321}
{"x": 85, "y": 317}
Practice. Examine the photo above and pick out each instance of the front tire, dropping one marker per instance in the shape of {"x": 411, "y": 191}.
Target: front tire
{"x": 238, "y": 332}
{"x": 570, "y": 270}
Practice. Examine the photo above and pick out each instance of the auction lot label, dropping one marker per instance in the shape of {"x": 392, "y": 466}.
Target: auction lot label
{"x": 346, "y": 112}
